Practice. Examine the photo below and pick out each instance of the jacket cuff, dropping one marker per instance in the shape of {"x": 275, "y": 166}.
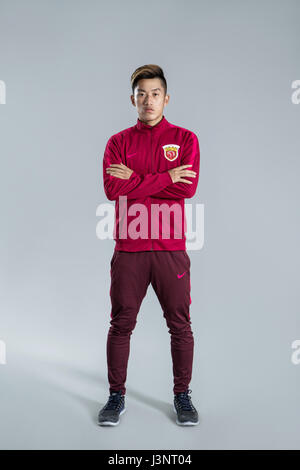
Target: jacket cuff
{"x": 168, "y": 178}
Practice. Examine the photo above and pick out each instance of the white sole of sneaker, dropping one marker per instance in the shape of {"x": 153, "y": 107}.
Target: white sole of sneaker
{"x": 186, "y": 423}
{"x": 111, "y": 423}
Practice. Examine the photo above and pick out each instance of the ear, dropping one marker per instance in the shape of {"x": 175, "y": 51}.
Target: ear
{"x": 132, "y": 99}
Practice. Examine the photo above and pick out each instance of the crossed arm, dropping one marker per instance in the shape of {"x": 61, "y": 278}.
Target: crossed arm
{"x": 120, "y": 180}
{"x": 182, "y": 190}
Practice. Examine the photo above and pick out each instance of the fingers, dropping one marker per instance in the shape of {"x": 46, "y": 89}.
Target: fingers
{"x": 117, "y": 165}
{"x": 121, "y": 176}
{"x": 182, "y": 180}
{"x": 191, "y": 174}
{"x": 188, "y": 173}
{"x": 184, "y": 172}
{"x": 122, "y": 170}
{"x": 116, "y": 173}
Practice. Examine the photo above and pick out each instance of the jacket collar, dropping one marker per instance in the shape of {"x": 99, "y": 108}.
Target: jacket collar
{"x": 142, "y": 126}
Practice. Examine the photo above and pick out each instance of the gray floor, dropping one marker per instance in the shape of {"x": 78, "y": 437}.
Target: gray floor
{"x": 53, "y": 386}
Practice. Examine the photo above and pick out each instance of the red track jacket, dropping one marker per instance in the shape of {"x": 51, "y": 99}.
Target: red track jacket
{"x": 150, "y": 215}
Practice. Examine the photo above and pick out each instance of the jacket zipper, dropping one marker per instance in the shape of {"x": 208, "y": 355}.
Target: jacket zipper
{"x": 150, "y": 196}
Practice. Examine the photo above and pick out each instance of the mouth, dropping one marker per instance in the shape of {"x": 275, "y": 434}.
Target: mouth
{"x": 149, "y": 110}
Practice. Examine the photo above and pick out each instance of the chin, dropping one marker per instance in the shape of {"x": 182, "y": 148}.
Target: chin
{"x": 150, "y": 116}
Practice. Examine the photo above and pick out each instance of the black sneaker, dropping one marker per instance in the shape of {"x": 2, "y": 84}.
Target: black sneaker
{"x": 186, "y": 412}
{"x": 115, "y": 406}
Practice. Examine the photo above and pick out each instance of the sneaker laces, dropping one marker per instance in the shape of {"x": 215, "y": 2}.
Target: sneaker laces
{"x": 184, "y": 400}
{"x": 114, "y": 401}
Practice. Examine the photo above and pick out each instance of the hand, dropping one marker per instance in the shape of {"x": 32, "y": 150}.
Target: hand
{"x": 119, "y": 170}
{"x": 178, "y": 173}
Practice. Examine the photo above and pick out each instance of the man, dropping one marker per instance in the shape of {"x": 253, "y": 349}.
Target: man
{"x": 150, "y": 168}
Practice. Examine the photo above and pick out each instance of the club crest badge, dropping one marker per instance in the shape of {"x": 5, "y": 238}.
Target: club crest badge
{"x": 171, "y": 151}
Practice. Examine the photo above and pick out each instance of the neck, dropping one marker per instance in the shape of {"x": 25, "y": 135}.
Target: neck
{"x": 152, "y": 122}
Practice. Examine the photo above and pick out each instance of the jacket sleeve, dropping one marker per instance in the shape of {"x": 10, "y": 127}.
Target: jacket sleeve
{"x": 185, "y": 190}
{"x": 134, "y": 187}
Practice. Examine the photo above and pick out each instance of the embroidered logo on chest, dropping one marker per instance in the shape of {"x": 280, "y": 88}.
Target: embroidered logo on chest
{"x": 171, "y": 151}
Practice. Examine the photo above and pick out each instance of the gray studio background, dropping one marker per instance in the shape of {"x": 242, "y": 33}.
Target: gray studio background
{"x": 230, "y": 67}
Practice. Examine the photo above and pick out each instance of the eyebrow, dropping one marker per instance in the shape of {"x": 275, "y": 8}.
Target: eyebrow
{"x": 153, "y": 89}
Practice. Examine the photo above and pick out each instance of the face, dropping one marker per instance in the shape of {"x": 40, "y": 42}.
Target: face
{"x": 150, "y": 100}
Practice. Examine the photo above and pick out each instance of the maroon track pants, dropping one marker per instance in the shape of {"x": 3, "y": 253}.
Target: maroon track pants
{"x": 169, "y": 274}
